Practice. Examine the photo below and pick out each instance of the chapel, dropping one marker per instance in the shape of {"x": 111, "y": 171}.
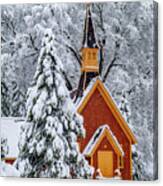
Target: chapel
{"x": 108, "y": 142}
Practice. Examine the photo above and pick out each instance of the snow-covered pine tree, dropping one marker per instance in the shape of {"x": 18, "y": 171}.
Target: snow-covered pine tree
{"x": 124, "y": 107}
{"x": 17, "y": 101}
{"x": 137, "y": 166}
{"x": 48, "y": 143}
{"x": 5, "y": 101}
{"x": 136, "y": 158}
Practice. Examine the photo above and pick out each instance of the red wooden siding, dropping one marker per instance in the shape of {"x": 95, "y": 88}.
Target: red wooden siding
{"x": 97, "y": 113}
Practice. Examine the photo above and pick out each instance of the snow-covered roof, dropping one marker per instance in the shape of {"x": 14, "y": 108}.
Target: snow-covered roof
{"x": 96, "y": 137}
{"x": 79, "y": 101}
{"x": 87, "y": 90}
{"x": 10, "y": 129}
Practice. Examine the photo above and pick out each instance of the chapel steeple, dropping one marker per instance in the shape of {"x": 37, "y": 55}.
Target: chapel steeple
{"x": 89, "y": 40}
{"x": 89, "y": 53}
{"x": 89, "y": 48}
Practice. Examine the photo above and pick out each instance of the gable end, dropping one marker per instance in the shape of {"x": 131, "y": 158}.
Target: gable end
{"x": 111, "y": 105}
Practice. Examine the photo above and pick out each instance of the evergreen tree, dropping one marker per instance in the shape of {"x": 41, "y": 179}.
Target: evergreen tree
{"x": 137, "y": 166}
{"x": 5, "y": 101}
{"x": 124, "y": 107}
{"x": 48, "y": 143}
{"x": 136, "y": 157}
{"x": 17, "y": 101}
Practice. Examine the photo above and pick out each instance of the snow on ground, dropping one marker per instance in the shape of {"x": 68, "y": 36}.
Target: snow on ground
{"x": 8, "y": 170}
{"x": 10, "y": 129}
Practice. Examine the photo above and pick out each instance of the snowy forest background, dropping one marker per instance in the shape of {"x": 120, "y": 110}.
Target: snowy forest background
{"x": 125, "y": 29}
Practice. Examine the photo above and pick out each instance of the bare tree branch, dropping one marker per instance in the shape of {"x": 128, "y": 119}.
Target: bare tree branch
{"x": 33, "y": 43}
{"x": 68, "y": 83}
{"x": 99, "y": 10}
{"x": 74, "y": 51}
{"x": 71, "y": 49}
{"x": 108, "y": 69}
{"x": 9, "y": 23}
{"x": 31, "y": 54}
{"x": 110, "y": 65}
{"x": 76, "y": 55}
{"x": 3, "y": 38}
{"x": 101, "y": 62}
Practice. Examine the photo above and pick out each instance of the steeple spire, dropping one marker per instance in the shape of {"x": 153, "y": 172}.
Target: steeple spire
{"x": 89, "y": 39}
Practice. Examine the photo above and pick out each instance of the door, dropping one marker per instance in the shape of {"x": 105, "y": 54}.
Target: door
{"x": 105, "y": 163}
